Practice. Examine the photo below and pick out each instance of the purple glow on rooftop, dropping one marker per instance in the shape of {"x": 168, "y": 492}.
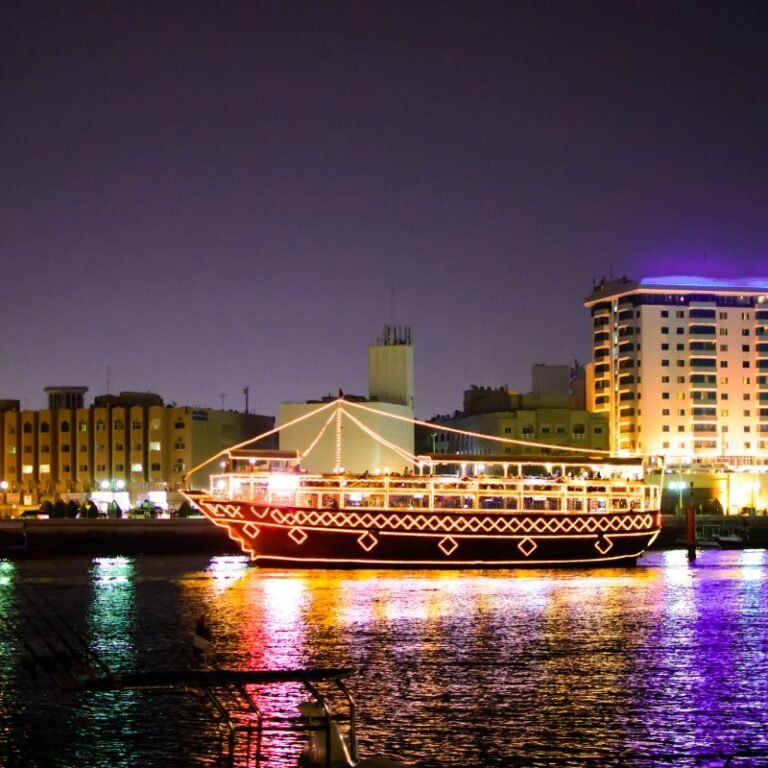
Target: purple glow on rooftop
{"x": 689, "y": 281}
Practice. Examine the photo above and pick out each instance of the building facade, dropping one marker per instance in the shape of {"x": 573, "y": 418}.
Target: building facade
{"x": 552, "y": 414}
{"x": 680, "y": 369}
{"x": 127, "y": 447}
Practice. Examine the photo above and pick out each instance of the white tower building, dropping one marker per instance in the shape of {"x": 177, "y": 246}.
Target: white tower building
{"x": 390, "y": 366}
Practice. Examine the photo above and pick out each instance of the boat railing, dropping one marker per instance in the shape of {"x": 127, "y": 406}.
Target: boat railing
{"x": 576, "y": 495}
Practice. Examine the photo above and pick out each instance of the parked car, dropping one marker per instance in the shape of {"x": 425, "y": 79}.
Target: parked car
{"x": 33, "y": 514}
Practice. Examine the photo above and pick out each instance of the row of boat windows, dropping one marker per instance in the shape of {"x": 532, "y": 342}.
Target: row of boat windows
{"x": 538, "y": 500}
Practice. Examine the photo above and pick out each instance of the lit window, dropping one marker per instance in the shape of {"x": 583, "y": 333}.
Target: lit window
{"x": 136, "y": 468}
{"x": 681, "y": 395}
{"x": 724, "y": 412}
{"x": 26, "y": 469}
{"x": 154, "y": 445}
{"x": 724, "y": 380}
{"x": 745, "y": 380}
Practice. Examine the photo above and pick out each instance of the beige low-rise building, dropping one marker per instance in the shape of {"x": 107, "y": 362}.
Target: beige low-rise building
{"x": 129, "y": 448}
{"x": 552, "y": 415}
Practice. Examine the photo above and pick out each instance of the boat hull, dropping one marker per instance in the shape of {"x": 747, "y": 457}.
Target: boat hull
{"x": 359, "y": 538}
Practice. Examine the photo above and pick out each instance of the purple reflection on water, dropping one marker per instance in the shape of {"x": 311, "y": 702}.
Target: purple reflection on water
{"x": 532, "y": 666}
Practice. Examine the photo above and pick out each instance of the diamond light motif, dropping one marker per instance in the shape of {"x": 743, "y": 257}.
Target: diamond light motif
{"x": 367, "y": 541}
{"x": 251, "y": 529}
{"x": 448, "y": 545}
{"x": 527, "y": 546}
{"x": 298, "y": 535}
{"x": 603, "y": 545}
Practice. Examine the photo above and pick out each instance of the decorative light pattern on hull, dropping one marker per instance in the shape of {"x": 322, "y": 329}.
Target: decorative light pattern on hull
{"x": 441, "y": 523}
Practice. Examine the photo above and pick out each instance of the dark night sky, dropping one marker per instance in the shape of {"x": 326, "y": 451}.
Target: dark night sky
{"x": 209, "y": 195}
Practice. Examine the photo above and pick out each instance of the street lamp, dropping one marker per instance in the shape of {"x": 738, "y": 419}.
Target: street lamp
{"x": 678, "y": 485}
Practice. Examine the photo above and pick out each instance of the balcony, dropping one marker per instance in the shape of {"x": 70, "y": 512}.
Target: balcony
{"x": 704, "y": 384}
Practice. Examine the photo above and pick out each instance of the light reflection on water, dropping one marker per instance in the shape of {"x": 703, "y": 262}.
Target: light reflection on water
{"x": 456, "y": 669}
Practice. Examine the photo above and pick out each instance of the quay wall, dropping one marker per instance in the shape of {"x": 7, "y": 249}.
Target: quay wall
{"x": 115, "y": 537}
{"x": 178, "y": 536}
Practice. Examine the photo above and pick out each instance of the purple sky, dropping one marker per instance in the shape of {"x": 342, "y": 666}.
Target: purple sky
{"x": 209, "y": 195}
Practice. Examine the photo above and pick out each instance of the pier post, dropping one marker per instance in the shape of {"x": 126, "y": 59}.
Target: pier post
{"x": 690, "y": 526}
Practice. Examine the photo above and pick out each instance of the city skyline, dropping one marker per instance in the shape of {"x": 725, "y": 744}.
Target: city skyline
{"x": 201, "y": 200}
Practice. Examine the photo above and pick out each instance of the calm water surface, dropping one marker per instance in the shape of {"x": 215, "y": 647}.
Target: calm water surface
{"x": 478, "y": 668}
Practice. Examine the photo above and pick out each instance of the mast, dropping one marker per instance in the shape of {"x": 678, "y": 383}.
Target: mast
{"x": 339, "y": 465}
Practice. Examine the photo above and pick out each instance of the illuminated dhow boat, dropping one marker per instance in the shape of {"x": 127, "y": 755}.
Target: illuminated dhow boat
{"x": 448, "y": 511}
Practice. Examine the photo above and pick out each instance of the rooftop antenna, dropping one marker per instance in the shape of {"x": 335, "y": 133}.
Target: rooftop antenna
{"x": 245, "y": 392}
{"x": 109, "y": 378}
{"x": 223, "y": 397}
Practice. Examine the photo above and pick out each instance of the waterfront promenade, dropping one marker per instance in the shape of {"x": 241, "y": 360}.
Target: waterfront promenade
{"x": 111, "y": 536}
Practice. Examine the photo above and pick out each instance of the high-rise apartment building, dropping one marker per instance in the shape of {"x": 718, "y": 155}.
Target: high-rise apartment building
{"x": 680, "y": 366}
